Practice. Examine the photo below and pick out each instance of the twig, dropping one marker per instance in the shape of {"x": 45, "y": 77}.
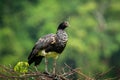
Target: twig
{"x": 79, "y": 72}
{"x": 8, "y": 70}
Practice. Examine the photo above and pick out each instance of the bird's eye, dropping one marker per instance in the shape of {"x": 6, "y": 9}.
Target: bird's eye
{"x": 66, "y": 24}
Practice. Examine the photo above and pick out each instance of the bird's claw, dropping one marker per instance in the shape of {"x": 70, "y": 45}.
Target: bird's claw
{"x": 46, "y": 72}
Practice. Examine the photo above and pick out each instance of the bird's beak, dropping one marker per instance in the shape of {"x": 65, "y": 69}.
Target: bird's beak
{"x": 68, "y": 24}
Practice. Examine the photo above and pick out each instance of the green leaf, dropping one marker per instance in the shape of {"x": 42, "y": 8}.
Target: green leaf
{"x": 21, "y": 67}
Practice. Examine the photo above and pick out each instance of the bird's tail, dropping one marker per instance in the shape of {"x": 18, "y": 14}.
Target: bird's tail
{"x": 36, "y": 59}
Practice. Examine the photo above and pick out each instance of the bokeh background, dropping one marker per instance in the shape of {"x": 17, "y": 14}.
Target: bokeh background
{"x": 94, "y": 34}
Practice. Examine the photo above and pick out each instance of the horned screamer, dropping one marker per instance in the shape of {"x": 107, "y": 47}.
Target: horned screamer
{"x": 50, "y": 45}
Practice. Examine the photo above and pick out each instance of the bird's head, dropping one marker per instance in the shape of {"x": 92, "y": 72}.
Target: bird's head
{"x": 63, "y": 25}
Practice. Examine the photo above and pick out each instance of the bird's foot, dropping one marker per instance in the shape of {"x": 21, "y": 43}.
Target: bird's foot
{"x": 54, "y": 72}
{"x": 46, "y": 72}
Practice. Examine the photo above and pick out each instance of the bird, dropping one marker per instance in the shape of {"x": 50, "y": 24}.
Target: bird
{"x": 50, "y": 45}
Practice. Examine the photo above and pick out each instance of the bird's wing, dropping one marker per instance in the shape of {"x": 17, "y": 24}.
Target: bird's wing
{"x": 42, "y": 43}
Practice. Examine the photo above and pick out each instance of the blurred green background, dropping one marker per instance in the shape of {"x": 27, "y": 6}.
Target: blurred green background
{"x": 94, "y": 34}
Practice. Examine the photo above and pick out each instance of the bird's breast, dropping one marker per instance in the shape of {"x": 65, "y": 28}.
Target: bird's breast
{"x": 62, "y": 36}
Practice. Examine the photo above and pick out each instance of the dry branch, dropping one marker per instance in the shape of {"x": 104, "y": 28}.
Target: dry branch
{"x": 9, "y": 73}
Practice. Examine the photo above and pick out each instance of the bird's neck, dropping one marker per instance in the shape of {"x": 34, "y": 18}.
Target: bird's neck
{"x": 60, "y": 32}
{"x": 62, "y": 35}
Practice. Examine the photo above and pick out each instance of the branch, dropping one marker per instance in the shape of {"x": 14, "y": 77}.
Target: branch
{"x": 79, "y": 72}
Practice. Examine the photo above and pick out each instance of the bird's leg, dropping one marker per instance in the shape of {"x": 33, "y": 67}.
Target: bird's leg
{"x": 54, "y": 67}
{"x": 46, "y": 65}
{"x": 36, "y": 68}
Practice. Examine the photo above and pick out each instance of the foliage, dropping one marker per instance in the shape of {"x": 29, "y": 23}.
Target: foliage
{"x": 94, "y": 34}
{"x": 21, "y": 67}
